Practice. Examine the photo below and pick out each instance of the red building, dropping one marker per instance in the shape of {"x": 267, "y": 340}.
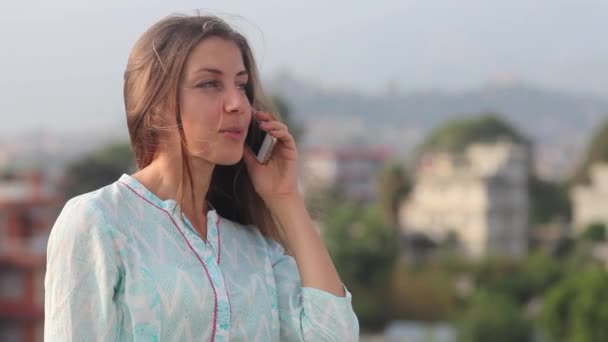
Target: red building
{"x": 28, "y": 209}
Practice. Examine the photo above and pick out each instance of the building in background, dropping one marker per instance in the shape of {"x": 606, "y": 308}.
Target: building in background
{"x": 590, "y": 202}
{"x": 480, "y": 197}
{"x": 28, "y": 208}
{"x": 354, "y": 170}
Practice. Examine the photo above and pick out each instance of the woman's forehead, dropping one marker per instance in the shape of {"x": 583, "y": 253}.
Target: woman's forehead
{"x": 217, "y": 54}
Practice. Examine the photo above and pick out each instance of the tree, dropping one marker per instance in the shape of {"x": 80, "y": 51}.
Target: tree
{"x": 394, "y": 185}
{"x": 519, "y": 280}
{"x": 541, "y": 271}
{"x": 549, "y": 200}
{"x": 493, "y": 317}
{"x": 596, "y": 152}
{"x": 98, "y": 169}
{"x": 576, "y": 309}
{"x": 364, "y": 250}
{"x": 422, "y": 292}
{"x": 506, "y": 277}
{"x": 362, "y": 246}
{"x": 595, "y": 232}
{"x": 456, "y": 135}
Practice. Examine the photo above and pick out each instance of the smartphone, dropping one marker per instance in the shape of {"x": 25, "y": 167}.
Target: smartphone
{"x": 260, "y": 142}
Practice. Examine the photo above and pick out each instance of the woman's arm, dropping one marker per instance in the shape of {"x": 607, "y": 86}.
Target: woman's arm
{"x": 308, "y": 313}
{"x": 313, "y": 303}
{"x": 304, "y": 242}
{"x": 277, "y": 185}
{"x": 81, "y": 276}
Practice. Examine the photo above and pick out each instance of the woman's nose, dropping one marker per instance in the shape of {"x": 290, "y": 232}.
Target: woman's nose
{"x": 235, "y": 101}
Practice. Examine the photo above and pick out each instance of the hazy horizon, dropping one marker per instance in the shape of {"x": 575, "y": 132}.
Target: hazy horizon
{"x": 63, "y": 62}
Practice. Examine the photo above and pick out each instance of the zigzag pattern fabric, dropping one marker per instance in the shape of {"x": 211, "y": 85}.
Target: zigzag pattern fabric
{"x": 124, "y": 265}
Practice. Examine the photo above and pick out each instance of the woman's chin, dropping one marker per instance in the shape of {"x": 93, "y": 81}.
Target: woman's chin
{"x": 229, "y": 160}
{"x": 224, "y": 160}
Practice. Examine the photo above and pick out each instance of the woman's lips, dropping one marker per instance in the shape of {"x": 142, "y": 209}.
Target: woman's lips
{"x": 232, "y": 133}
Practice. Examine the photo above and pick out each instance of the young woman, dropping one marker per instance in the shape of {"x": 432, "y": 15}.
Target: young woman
{"x": 192, "y": 246}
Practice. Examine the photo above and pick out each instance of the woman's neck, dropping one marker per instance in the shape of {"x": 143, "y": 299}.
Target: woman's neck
{"x": 163, "y": 177}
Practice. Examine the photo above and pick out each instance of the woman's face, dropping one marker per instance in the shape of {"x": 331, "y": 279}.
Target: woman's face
{"x": 214, "y": 108}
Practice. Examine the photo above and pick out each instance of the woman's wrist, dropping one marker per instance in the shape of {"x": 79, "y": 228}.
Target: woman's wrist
{"x": 306, "y": 245}
{"x": 286, "y": 205}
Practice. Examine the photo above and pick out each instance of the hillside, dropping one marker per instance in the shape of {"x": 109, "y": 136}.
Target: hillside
{"x": 559, "y": 125}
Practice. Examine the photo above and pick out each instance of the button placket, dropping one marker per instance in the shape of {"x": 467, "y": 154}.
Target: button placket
{"x": 207, "y": 253}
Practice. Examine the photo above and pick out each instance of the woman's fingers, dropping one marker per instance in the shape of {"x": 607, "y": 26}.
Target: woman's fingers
{"x": 262, "y": 116}
{"x": 273, "y": 126}
{"x": 277, "y": 130}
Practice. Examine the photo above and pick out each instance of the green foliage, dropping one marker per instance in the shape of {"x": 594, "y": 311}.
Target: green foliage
{"x": 579, "y": 256}
{"x": 456, "y": 135}
{"x": 6, "y": 173}
{"x": 364, "y": 251}
{"x": 426, "y": 293}
{"x": 549, "y": 200}
{"x": 595, "y": 232}
{"x": 504, "y": 276}
{"x": 394, "y": 185}
{"x": 362, "y": 246}
{"x": 596, "y": 152}
{"x": 493, "y": 317}
{"x": 370, "y": 305}
{"x": 520, "y": 281}
{"x": 541, "y": 271}
{"x": 576, "y": 310}
{"x": 98, "y": 169}
{"x": 116, "y": 155}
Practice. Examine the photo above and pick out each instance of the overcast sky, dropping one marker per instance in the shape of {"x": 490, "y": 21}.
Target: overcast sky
{"x": 62, "y": 60}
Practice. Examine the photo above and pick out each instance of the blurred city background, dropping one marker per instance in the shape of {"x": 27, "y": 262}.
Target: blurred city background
{"x": 453, "y": 153}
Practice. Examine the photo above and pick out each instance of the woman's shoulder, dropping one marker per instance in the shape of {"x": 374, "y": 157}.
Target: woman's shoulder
{"x": 83, "y": 232}
{"x": 97, "y": 208}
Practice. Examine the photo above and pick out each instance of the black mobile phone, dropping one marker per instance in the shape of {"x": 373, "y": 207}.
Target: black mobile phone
{"x": 260, "y": 142}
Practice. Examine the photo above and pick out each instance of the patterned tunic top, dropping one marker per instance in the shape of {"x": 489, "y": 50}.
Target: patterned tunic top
{"x": 124, "y": 265}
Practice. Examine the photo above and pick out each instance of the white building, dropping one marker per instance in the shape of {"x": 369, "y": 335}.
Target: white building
{"x": 353, "y": 169}
{"x": 480, "y": 195}
{"x": 590, "y": 202}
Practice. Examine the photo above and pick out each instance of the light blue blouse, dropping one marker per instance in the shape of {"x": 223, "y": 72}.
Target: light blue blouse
{"x": 124, "y": 265}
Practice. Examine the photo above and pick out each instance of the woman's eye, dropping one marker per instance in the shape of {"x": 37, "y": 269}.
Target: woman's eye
{"x": 208, "y": 84}
{"x": 242, "y": 86}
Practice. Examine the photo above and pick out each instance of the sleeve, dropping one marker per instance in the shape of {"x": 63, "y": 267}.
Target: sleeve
{"x": 81, "y": 276}
{"x": 309, "y": 314}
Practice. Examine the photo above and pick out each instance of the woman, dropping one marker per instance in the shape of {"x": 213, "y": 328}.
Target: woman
{"x": 192, "y": 246}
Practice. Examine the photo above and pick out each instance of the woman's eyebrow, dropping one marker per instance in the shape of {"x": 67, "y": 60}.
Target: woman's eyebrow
{"x": 218, "y": 71}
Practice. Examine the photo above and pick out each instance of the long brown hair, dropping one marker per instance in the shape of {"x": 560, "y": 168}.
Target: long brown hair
{"x": 151, "y": 91}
